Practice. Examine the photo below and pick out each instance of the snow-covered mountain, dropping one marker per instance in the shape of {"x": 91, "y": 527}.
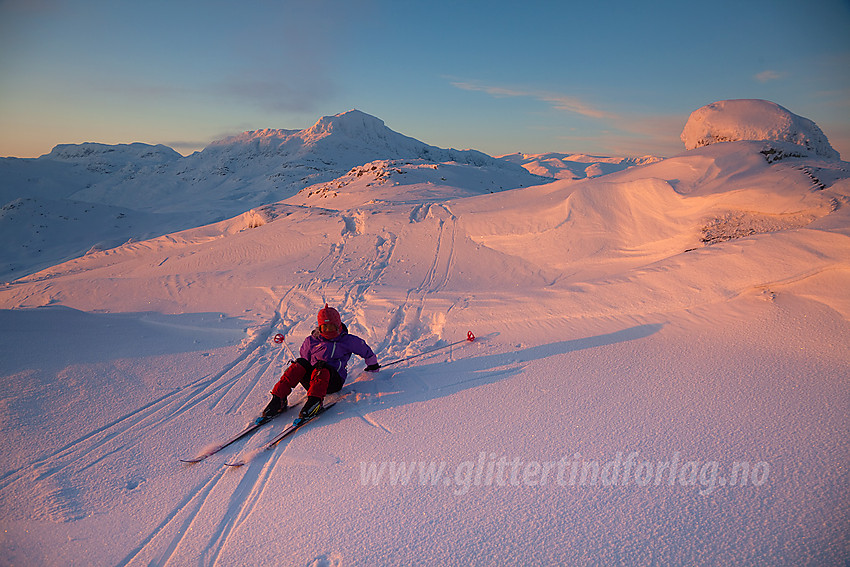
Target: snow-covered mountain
{"x": 659, "y": 375}
{"x": 230, "y": 175}
{"x": 84, "y": 197}
{"x": 574, "y": 166}
{"x": 138, "y": 191}
{"x": 108, "y": 159}
{"x": 265, "y": 166}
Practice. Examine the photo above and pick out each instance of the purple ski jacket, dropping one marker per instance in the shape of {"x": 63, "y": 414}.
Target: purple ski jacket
{"x": 336, "y": 352}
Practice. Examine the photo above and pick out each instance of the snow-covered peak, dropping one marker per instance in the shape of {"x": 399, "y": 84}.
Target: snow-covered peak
{"x": 351, "y": 124}
{"x": 346, "y": 131}
{"x": 339, "y": 142}
{"x": 753, "y": 119}
{"x": 353, "y": 129}
{"x": 354, "y": 124}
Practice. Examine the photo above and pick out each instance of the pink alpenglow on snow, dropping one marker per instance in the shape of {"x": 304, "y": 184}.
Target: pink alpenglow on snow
{"x": 659, "y": 374}
{"x": 753, "y": 119}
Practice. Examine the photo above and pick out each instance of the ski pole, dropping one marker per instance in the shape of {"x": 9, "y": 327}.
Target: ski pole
{"x": 469, "y": 338}
{"x": 279, "y": 339}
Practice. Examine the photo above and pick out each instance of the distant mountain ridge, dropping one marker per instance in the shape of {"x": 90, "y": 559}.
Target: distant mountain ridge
{"x": 138, "y": 191}
{"x": 230, "y": 175}
{"x": 119, "y": 154}
{"x": 575, "y": 166}
{"x": 93, "y": 196}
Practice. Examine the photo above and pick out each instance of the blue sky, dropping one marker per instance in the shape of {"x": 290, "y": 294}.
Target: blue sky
{"x": 609, "y": 78}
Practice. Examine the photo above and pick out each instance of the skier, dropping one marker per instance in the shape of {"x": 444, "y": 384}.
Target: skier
{"x": 321, "y": 368}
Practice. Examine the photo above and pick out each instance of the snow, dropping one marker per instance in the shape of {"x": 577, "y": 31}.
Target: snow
{"x": 574, "y": 166}
{"x": 659, "y": 375}
{"x": 155, "y": 191}
{"x": 753, "y": 119}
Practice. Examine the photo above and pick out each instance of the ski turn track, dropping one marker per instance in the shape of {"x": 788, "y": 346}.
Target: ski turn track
{"x": 199, "y": 527}
{"x": 202, "y": 523}
{"x": 105, "y": 450}
{"x": 217, "y": 504}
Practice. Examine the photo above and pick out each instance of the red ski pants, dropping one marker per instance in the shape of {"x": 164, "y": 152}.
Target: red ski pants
{"x": 316, "y": 385}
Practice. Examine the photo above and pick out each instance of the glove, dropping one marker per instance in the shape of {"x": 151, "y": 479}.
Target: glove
{"x": 373, "y": 367}
{"x": 320, "y": 364}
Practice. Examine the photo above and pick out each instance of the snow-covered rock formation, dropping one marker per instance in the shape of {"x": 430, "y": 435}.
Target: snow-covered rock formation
{"x": 753, "y": 119}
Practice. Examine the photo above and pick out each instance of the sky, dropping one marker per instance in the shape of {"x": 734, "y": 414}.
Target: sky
{"x": 611, "y": 78}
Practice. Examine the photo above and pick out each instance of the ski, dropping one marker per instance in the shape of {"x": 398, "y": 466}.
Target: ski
{"x": 290, "y": 429}
{"x": 253, "y": 426}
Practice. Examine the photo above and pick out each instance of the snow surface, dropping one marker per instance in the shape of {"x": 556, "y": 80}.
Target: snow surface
{"x": 689, "y": 314}
{"x": 753, "y": 119}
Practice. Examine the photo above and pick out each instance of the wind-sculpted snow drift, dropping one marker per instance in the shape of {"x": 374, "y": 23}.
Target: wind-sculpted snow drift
{"x": 659, "y": 374}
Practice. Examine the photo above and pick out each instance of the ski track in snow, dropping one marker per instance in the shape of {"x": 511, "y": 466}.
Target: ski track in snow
{"x": 186, "y": 528}
{"x": 345, "y": 276}
{"x": 407, "y": 323}
{"x": 192, "y": 505}
{"x": 133, "y": 425}
{"x": 200, "y": 526}
{"x": 246, "y": 370}
{"x": 330, "y": 282}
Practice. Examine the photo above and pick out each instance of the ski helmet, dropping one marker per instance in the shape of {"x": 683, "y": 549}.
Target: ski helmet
{"x": 330, "y": 324}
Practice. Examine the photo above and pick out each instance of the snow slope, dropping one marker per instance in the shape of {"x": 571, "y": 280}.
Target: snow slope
{"x": 660, "y": 375}
{"x": 39, "y": 232}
